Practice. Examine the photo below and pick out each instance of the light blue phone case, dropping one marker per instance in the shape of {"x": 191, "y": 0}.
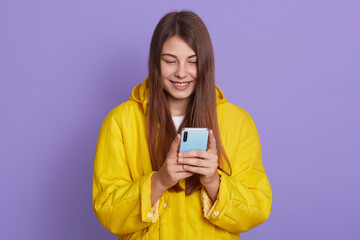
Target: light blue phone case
{"x": 197, "y": 139}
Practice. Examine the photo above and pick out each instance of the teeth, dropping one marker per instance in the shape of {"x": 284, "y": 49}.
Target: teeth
{"x": 181, "y": 84}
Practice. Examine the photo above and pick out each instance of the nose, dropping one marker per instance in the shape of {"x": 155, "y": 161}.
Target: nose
{"x": 181, "y": 71}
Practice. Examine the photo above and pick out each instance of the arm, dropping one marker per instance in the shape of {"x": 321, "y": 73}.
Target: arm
{"x": 244, "y": 198}
{"x": 122, "y": 204}
{"x": 157, "y": 189}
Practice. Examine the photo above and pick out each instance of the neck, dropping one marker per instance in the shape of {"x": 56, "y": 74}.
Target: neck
{"x": 178, "y": 106}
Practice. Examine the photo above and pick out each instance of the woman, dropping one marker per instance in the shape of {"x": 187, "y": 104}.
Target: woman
{"x": 143, "y": 188}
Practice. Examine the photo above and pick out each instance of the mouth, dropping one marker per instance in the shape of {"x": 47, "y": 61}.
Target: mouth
{"x": 180, "y": 84}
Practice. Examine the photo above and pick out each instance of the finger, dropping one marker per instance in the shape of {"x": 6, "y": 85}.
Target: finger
{"x": 194, "y": 153}
{"x": 175, "y": 145}
{"x": 180, "y": 169}
{"x": 212, "y": 142}
{"x": 193, "y": 169}
{"x": 195, "y": 162}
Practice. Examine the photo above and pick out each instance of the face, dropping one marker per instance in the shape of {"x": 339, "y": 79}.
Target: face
{"x": 178, "y": 69}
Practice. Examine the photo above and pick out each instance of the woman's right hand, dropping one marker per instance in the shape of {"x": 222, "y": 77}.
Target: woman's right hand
{"x": 171, "y": 171}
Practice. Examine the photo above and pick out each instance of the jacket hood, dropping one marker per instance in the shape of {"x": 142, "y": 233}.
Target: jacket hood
{"x": 140, "y": 94}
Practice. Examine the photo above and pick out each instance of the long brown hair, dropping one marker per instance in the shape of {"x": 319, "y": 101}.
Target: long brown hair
{"x": 201, "y": 110}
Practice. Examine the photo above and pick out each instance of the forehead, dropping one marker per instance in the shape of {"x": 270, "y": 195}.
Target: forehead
{"x": 177, "y": 46}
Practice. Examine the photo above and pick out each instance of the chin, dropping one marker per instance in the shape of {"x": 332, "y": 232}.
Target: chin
{"x": 180, "y": 95}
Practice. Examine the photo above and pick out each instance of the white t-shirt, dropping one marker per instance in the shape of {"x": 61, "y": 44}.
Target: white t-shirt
{"x": 177, "y": 121}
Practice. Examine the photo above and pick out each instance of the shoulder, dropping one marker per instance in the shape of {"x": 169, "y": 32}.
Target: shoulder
{"x": 122, "y": 113}
{"x": 225, "y": 109}
{"x": 124, "y": 109}
{"x": 230, "y": 110}
{"x": 231, "y": 116}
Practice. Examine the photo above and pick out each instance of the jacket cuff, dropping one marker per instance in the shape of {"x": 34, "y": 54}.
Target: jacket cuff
{"x": 155, "y": 211}
{"x": 208, "y": 205}
{"x": 148, "y": 213}
{"x": 214, "y": 211}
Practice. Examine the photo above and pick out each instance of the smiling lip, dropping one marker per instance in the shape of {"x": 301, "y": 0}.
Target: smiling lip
{"x": 181, "y": 85}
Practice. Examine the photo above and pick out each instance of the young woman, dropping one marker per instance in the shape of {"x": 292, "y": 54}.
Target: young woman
{"x": 143, "y": 188}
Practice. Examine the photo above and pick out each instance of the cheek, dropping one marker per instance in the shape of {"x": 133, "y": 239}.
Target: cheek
{"x": 166, "y": 71}
{"x": 193, "y": 72}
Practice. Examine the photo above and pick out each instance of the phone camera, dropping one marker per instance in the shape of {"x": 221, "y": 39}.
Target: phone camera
{"x": 185, "y": 136}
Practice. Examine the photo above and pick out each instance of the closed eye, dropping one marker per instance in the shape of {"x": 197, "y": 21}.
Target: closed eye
{"x": 168, "y": 61}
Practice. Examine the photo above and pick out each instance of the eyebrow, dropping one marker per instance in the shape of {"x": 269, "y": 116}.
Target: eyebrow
{"x": 171, "y": 55}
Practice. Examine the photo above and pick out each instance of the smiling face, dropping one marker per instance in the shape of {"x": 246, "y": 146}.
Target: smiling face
{"x": 178, "y": 69}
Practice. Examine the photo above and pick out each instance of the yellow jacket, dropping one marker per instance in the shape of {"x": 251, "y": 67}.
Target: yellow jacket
{"x": 122, "y": 180}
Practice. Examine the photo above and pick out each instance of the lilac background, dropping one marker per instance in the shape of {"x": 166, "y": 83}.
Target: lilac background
{"x": 293, "y": 65}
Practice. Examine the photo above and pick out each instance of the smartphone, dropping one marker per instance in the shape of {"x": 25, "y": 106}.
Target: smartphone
{"x": 194, "y": 139}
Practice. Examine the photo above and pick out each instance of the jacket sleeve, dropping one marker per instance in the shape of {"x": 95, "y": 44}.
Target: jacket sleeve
{"x": 244, "y": 198}
{"x": 121, "y": 204}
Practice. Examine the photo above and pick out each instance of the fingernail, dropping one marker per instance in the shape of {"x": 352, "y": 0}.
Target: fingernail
{"x": 181, "y": 160}
{"x": 180, "y": 154}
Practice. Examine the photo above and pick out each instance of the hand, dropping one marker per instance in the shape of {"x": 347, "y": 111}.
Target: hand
{"x": 204, "y": 163}
{"x": 171, "y": 171}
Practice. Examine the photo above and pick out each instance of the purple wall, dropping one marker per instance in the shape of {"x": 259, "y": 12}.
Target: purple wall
{"x": 293, "y": 65}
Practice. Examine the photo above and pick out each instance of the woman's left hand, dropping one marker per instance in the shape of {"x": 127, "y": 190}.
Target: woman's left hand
{"x": 204, "y": 163}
